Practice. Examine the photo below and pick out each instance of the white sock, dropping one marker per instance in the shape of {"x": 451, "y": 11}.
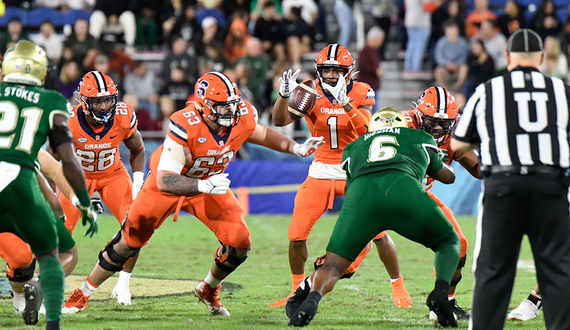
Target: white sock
{"x": 451, "y": 297}
{"x": 393, "y": 280}
{"x": 18, "y": 297}
{"x": 124, "y": 277}
{"x": 212, "y": 280}
{"x": 87, "y": 288}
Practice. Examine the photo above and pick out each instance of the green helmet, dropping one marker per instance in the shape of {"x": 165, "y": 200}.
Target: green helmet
{"x": 25, "y": 63}
{"x": 387, "y": 117}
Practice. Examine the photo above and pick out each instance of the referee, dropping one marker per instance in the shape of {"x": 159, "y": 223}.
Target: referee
{"x": 520, "y": 122}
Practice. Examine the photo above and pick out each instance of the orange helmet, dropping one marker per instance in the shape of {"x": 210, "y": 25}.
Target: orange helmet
{"x": 436, "y": 113}
{"x": 337, "y": 56}
{"x": 215, "y": 91}
{"x": 98, "y": 88}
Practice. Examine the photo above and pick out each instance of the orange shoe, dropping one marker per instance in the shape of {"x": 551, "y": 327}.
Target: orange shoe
{"x": 76, "y": 303}
{"x": 210, "y": 297}
{"x": 400, "y": 294}
{"x": 281, "y": 302}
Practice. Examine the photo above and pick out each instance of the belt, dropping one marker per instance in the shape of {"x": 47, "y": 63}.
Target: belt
{"x": 523, "y": 170}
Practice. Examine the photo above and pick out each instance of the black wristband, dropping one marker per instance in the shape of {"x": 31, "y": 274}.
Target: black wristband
{"x": 285, "y": 97}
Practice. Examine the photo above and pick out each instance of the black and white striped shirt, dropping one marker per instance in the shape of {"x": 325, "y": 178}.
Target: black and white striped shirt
{"x": 519, "y": 118}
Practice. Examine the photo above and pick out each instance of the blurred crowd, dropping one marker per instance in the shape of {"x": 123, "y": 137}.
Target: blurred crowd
{"x": 254, "y": 41}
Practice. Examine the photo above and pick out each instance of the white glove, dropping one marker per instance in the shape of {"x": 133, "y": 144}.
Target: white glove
{"x": 138, "y": 180}
{"x": 97, "y": 205}
{"x": 307, "y": 148}
{"x": 215, "y": 185}
{"x": 338, "y": 91}
{"x": 288, "y": 82}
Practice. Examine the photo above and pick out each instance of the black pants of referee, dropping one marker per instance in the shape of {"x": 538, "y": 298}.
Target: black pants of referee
{"x": 514, "y": 205}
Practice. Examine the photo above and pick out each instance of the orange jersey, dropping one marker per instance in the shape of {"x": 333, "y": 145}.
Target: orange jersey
{"x": 328, "y": 119}
{"x": 210, "y": 153}
{"x": 98, "y": 150}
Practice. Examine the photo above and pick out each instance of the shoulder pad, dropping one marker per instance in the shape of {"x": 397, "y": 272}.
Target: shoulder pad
{"x": 248, "y": 114}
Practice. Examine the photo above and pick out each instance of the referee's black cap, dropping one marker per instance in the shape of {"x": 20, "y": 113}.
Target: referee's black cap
{"x": 524, "y": 41}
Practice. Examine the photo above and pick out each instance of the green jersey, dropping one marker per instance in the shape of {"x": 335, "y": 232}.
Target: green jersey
{"x": 409, "y": 150}
{"x": 26, "y": 118}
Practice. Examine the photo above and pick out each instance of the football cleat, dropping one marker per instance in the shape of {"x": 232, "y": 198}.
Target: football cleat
{"x": 281, "y": 302}
{"x": 459, "y": 313}
{"x": 400, "y": 294}
{"x": 122, "y": 293}
{"x": 76, "y": 303}
{"x": 438, "y": 303}
{"x": 306, "y": 312}
{"x": 526, "y": 311}
{"x": 298, "y": 297}
{"x": 210, "y": 297}
{"x": 33, "y": 297}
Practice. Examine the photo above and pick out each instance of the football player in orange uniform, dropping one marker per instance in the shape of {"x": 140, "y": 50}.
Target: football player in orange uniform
{"x": 99, "y": 124}
{"x": 341, "y": 114}
{"x": 20, "y": 262}
{"x": 186, "y": 173}
{"x": 436, "y": 113}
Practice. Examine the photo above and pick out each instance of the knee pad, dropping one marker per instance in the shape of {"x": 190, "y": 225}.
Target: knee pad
{"x": 22, "y": 275}
{"x": 228, "y": 254}
{"x": 114, "y": 256}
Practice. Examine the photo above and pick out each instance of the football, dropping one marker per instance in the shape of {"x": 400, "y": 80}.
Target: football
{"x": 302, "y": 99}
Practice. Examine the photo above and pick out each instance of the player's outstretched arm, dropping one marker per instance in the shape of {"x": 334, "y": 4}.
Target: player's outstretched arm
{"x": 445, "y": 175}
{"x": 287, "y": 84}
{"x": 470, "y": 161}
{"x": 135, "y": 145}
{"x": 61, "y": 142}
{"x": 270, "y": 138}
{"x": 53, "y": 170}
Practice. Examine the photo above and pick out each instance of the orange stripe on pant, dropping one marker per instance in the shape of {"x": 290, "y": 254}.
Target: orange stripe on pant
{"x": 222, "y": 214}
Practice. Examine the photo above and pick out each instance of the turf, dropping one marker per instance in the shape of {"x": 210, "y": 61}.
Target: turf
{"x": 181, "y": 253}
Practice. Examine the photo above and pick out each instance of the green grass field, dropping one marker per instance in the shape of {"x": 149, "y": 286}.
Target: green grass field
{"x": 181, "y": 253}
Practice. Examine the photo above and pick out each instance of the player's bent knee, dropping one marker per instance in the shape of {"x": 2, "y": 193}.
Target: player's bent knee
{"x": 117, "y": 260}
{"x": 23, "y": 274}
{"x": 228, "y": 258}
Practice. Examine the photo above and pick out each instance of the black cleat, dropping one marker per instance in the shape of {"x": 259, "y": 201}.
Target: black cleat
{"x": 460, "y": 313}
{"x": 298, "y": 297}
{"x": 438, "y": 303}
{"x": 33, "y": 296}
{"x": 304, "y": 314}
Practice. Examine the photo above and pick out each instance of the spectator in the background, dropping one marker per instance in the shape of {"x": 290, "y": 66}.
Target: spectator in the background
{"x": 239, "y": 74}
{"x": 268, "y": 30}
{"x": 166, "y": 107}
{"x": 177, "y": 87}
{"x": 49, "y": 40}
{"x": 451, "y": 9}
{"x": 145, "y": 122}
{"x": 296, "y": 33}
{"x": 418, "y": 26}
{"x": 479, "y": 14}
{"x": 555, "y": 63}
{"x": 119, "y": 61}
{"x": 213, "y": 59}
{"x": 69, "y": 79}
{"x": 14, "y": 34}
{"x": 546, "y": 20}
{"x": 115, "y": 17}
{"x": 566, "y": 35}
{"x": 101, "y": 63}
{"x": 257, "y": 9}
{"x": 346, "y": 21}
{"x": 211, "y": 8}
{"x": 229, "y": 7}
{"x": 512, "y": 19}
{"x": 142, "y": 83}
{"x": 210, "y": 31}
{"x": 495, "y": 43}
{"x": 479, "y": 67}
{"x": 309, "y": 12}
{"x": 80, "y": 46}
{"x": 78, "y": 4}
{"x": 450, "y": 54}
{"x": 187, "y": 26}
{"x": 369, "y": 62}
{"x": 147, "y": 18}
{"x": 179, "y": 57}
{"x": 384, "y": 12}
{"x": 235, "y": 40}
{"x": 259, "y": 66}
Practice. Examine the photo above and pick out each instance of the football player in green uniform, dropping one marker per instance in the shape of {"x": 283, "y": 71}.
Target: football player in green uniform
{"x": 29, "y": 115}
{"x": 384, "y": 170}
